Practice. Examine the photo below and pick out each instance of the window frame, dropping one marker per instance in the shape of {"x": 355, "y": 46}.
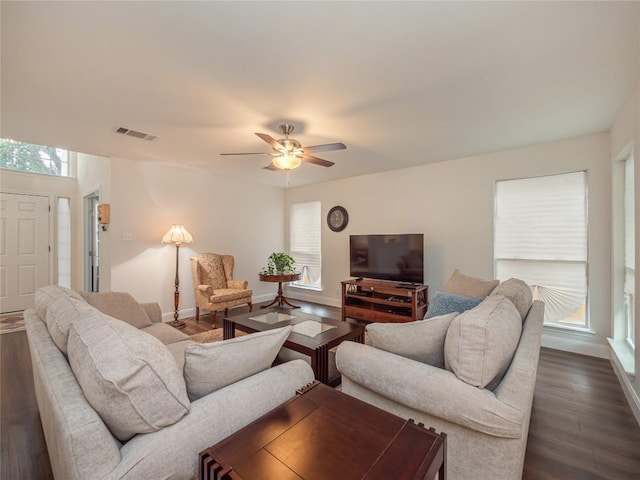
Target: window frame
{"x": 317, "y": 226}
{"x": 582, "y": 327}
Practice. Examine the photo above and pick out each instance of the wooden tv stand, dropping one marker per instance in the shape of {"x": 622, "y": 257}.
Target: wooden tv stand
{"x": 377, "y": 301}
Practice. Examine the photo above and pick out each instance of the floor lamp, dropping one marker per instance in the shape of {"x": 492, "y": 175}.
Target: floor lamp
{"x": 177, "y": 234}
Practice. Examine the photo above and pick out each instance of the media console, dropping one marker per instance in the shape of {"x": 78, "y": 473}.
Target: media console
{"x": 380, "y": 301}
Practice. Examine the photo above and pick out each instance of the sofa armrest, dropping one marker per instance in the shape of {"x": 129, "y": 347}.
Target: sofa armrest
{"x": 153, "y": 311}
{"x": 434, "y": 391}
{"x": 238, "y": 284}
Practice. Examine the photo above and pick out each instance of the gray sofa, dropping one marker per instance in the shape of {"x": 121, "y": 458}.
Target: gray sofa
{"x": 486, "y": 428}
{"x": 81, "y": 446}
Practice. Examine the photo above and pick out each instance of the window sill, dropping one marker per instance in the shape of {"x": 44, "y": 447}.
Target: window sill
{"x": 569, "y": 328}
{"x": 305, "y": 287}
{"x": 625, "y": 354}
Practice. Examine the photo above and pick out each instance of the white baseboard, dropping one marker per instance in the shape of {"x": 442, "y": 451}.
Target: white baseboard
{"x": 574, "y": 346}
{"x": 629, "y": 392}
{"x": 191, "y": 312}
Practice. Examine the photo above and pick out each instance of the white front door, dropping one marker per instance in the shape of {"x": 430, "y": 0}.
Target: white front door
{"x": 24, "y": 249}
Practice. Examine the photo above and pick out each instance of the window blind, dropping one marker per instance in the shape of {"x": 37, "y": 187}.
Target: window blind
{"x": 304, "y": 240}
{"x": 540, "y": 236}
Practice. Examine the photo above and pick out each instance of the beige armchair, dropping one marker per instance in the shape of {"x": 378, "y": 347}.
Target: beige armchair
{"x": 215, "y": 288}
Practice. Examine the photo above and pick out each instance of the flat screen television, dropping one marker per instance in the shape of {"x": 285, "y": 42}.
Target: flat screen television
{"x": 387, "y": 257}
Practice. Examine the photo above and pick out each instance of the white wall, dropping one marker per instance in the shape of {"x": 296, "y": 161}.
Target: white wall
{"x": 223, "y": 216}
{"x": 451, "y": 203}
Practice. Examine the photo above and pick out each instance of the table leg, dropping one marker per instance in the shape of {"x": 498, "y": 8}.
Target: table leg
{"x": 320, "y": 363}
{"x": 228, "y": 329}
{"x": 280, "y": 299}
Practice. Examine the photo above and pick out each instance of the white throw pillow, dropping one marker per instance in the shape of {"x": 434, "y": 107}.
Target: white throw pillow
{"x": 518, "y": 292}
{"x": 467, "y": 286}
{"x": 60, "y": 314}
{"x": 120, "y": 305}
{"x": 45, "y": 296}
{"x": 211, "y": 366}
{"x": 481, "y": 342}
{"x": 422, "y": 340}
{"x": 128, "y": 376}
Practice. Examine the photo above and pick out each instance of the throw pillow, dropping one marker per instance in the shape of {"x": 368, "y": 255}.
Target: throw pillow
{"x": 211, "y": 366}
{"x": 461, "y": 284}
{"x": 61, "y": 314}
{"x": 481, "y": 342}
{"x": 422, "y": 340}
{"x": 127, "y": 376}
{"x": 45, "y": 296}
{"x": 443, "y": 303}
{"x": 119, "y": 305}
{"x": 518, "y": 292}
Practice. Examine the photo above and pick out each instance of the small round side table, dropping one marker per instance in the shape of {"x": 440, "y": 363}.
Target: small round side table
{"x": 280, "y": 298}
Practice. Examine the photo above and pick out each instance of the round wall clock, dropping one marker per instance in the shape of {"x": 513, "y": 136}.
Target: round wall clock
{"x": 337, "y": 218}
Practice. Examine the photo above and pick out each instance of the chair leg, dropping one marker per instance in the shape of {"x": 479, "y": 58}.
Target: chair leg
{"x": 197, "y": 314}
{"x": 226, "y": 312}
{"x": 250, "y": 306}
{"x": 213, "y": 319}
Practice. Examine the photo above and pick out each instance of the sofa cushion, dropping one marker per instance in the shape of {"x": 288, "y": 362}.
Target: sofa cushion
{"x": 422, "y": 340}
{"x": 443, "y": 303}
{"x": 481, "y": 342}
{"x": 45, "y": 296}
{"x": 120, "y": 305}
{"x": 165, "y": 333}
{"x": 127, "y": 376}
{"x": 518, "y": 292}
{"x": 59, "y": 316}
{"x": 211, "y": 366}
{"x": 461, "y": 284}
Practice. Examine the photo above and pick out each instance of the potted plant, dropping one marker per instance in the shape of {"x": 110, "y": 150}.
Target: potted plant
{"x": 279, "y": 263}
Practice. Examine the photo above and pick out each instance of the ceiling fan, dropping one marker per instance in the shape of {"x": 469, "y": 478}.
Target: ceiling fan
{"x": 288, "y": 153}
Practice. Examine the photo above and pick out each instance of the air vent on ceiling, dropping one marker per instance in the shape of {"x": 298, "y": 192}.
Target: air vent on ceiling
{"x": 136, "y": 134}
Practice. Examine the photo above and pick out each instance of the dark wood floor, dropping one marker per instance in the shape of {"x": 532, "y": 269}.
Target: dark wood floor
{"x": 581, "y": 425}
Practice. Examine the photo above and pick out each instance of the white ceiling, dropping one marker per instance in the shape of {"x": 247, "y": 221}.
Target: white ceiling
{"x": 400, "y": 83}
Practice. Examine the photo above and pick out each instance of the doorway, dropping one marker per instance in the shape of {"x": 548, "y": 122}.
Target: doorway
{"x": 24, "y": 249}
{"x": 92, "y": 243}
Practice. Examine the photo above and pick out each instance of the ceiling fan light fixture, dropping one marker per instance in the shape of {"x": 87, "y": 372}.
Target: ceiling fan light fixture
{"x": 287, "y": 161}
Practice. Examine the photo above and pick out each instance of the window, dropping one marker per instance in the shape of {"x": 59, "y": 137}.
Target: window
{"x": 629, "y": 250}
{"x": 540, "y": 236}
{"x": 304, "y": 240}
{"x": 33, "y": 158}
{"x": 64, "y": 242}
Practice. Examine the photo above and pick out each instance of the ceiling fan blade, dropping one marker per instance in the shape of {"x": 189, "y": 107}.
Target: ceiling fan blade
{"x": 271, "y": 141}
{"x": 248, "y": 153}
{"x": 316, "y": 160}
{"x": 324, "y": 148}
{"x": 271, "y": 167}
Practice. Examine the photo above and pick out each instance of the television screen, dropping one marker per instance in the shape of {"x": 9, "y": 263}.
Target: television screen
{"x": 387, "y": 257}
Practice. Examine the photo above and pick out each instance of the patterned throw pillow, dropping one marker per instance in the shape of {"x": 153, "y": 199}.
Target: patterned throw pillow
{"x": 443, "y": 303}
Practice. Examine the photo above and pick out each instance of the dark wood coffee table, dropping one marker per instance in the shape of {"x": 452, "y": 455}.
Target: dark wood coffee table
{"x": 318, "y": 347}
{"x": 325, "y": 434}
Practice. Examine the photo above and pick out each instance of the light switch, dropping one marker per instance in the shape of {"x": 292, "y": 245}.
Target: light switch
{"x": 127, "y": 236}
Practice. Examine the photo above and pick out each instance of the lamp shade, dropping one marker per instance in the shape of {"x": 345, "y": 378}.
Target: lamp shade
{"x": 177, "y": 234}
{"x": 287, "y": 161}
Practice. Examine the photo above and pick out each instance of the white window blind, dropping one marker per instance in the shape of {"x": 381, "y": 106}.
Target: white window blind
{"x": 629, "y": 248}
{"x": 304, "y": 240}
{"x": 541, "y": 237}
